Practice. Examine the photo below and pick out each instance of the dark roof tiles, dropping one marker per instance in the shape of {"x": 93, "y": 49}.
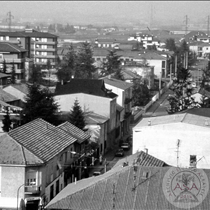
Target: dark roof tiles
{"x": 9, "y": 47}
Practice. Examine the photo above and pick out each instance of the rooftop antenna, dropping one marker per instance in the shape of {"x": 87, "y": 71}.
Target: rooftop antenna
{"x": 177, "y": 151}
{"x": 9, "y": 19}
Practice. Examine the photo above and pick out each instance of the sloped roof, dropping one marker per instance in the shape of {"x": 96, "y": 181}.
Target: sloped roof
{"x": 34, "y": 33}
{"x": 188, "y": 118}
{"x": 21, "y": 87}
{"x": 42, "y": 138}
{"x": 118, "y": 83}
{"x": 199, "y": 43}
{"x": 12, "y": 152}
{"x": 143, "y": 159}
{"x": 94, "y": 118}
{"x": 130, "y": 75}
{"x": 2, "y": 75}
{"x": 119, "y": 108}
{"x": 205, "y": 112}
{"x": 115, "y": 190}
{"x": 8, "y": 47}
{"x": 6, "y": 97}
{"x": 79, "y": 134}
{"x": 89, "y": 86}
{"x": 152, "y": 56}
{"x": 199, "y": 34}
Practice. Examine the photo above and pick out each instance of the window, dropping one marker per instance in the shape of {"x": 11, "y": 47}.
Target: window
{"x": 44, "y": 53}
{"x": 44, "y": 39}
{"x": 44, "y": 46}
{"x": 1, "y": 56}
{"x": 1, "y": 38}
{"x": 145, "y": 175}
{"x": 164, "y": 64}
{"x": 7, "y": 38}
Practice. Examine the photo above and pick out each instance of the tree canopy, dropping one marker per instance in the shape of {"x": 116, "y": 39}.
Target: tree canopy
{"x": 140, "y": 92}
{"x": 6, "y": 122}
{"x": 39, "y": 104}
{"x": 76, "y": 116}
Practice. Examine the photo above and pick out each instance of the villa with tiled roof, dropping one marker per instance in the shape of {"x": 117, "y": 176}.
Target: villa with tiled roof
{"x": 35, "y": 155}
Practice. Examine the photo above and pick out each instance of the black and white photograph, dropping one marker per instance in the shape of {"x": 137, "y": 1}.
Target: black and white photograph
{"x": 104, "y": 105}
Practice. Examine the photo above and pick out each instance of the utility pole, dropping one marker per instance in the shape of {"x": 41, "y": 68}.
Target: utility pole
{"x": 186, "y": 24}
{"x": 208, "y": 26}
{"x": 151, "y": 15}
{"x": 177, "y": 151}
{"x": 9, "y": 19}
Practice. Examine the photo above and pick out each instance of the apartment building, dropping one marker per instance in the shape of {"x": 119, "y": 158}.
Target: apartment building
{"x": 11, "y": 54}
{"x": 40, "y": 46}
{"x": 92, "y": 97}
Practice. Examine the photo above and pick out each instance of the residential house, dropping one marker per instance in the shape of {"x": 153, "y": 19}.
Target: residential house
{"x": 33, "y": 158}
{"x": 40, "y": 46}
{"x": 12, "y": 54}
{"x": 159, "y": 62}
{"x": 201, "y": 49}
{"x": 129, "y": 76}
{"x": 92, "y": 97}
{"x": 105, "y": 43}
{"x": 4, "y": 79}
{"x": 98, "y": 125}
{"x": 124, "y": 100}
{"x": 193, "y": 36}
{"x": 187, "y": 133}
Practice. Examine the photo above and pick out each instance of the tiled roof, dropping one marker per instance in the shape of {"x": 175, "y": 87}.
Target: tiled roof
{"x": 152, "y": 56}
{"x": 205, "y": 112}
{"x": 2, "y": 75}
{"x": 188, "y": 118}
{"x": 89, "y": 86}
{"x": 199, "y": 34}
{"x": 118, "y": 83}
{"x": 119, "y": 108}
{"x": 13, "y": 153}
{"x": 117, "y": 189}
{"x": 142, "y": 159}
{"x": 27, "y": 34}
{"x": 6, "y": 97}
{"x": 77, "y": 133}
{"x": 42, "y": 138}
{"x": 8, "y": 47}
{"x": 130, "y": 75}
{"x": 94, "y": 118}
{"x": 21, "y": 87}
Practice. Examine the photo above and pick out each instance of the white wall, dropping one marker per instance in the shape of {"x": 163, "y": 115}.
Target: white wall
{"x": 161, "y": 142}
{"x": 157, "y": 66}
{"x": 99, "y": 105}
{"x": 119, "y": 92}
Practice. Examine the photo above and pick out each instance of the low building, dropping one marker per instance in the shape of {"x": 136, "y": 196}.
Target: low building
{"x": 201, "y": 49}
{"x": 187, "y": 134}
{"x": 33, "y": 159}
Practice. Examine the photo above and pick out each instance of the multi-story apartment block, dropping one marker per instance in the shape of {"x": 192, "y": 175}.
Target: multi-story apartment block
{"x": 11, "y": 54}
{"x": 40, "y": 46}
{"x": 33, "y": 162}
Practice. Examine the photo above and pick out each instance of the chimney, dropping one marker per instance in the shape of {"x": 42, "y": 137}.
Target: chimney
{"x": 146, "y": 150}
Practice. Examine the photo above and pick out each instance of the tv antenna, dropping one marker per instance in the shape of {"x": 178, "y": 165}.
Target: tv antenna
{"x": 177, "y": 151}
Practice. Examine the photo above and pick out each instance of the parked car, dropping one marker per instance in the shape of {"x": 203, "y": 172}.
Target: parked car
{"x": 96, "y": 173}
{"x": 119, "y": 153}
{"x": 125, "y": 146}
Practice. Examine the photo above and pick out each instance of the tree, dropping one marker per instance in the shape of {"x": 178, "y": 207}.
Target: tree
{"x": 66, "y": 67}
{"x": 112, "y": 63}
{"x": 118, "y": 75}
{"x": 76, "y": 116}
{"x": 13, "y": 76}
{"x": 84, "y": 68}
{"x": 4, "y": 67}
{"x": 205, "y": 81}
{"x": 170, "y": 45}
{"x": 39, "y": 104}
{"x": 140, "y": 93}
{"x": 6, "y": 121}
{"x": 35, "y": 76}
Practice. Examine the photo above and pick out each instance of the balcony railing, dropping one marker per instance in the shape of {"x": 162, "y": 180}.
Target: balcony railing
{"x": 43, "y": 50}
{"x": 43, "y": 43}
{"x": 45, "y": 56}
{"x": 32, "y": 189}
{"x": 11, "y": 60}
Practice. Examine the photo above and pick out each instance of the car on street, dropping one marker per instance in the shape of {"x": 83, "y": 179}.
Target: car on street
{"x": 119, "y": 153}
{"x": 125, "y": 146}
{"x": 96, "y": 173}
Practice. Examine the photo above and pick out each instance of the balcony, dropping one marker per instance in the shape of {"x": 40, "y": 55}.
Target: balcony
{"x": 32, "y": 189}
{"x": 17, "y": 71}
{"x": 43, "y": 43}
{"x": 11, "y": 60}
{"x": 43, "y": 50}
{"x": 45, "y": 56}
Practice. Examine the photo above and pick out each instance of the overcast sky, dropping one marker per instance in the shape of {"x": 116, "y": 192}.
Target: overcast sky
{"x": 88, "y": 11}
